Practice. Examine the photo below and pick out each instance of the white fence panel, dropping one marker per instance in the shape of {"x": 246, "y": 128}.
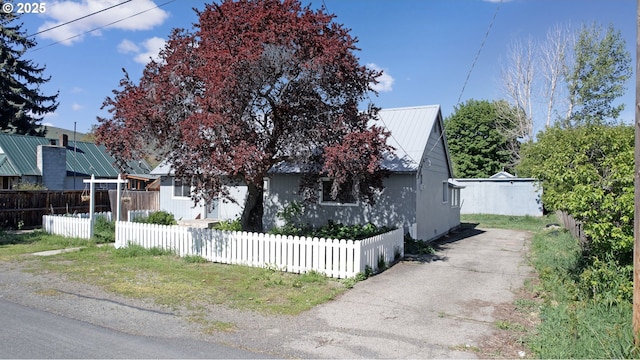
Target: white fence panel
{"x": 334, "y": 258}
{"x": 76, "y": 225}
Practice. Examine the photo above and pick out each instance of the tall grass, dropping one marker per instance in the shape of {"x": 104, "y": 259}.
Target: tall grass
{"x": 575, "y": 326}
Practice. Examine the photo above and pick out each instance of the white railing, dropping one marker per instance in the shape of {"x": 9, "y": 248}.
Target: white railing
{"x": 71, "y": 225}
{"x": 334, "y": 258}
{"x": 133, "y": 215}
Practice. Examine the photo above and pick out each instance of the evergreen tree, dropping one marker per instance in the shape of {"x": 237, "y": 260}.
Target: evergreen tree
{"x": 22, "y": 105}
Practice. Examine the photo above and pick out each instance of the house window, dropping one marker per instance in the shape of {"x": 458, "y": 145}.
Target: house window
{"x": 455, "y": 197}
{"x": 345, "y": 197}
{"x": 445, "y": 191}
{"x": 181, "y": 188}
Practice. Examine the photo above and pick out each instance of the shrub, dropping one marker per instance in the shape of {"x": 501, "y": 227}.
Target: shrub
{"x": 104, "y": 230}
{"x": 417, "y": 247}
{"x": 229, "y": 225}
{"x": 159, "y": 218}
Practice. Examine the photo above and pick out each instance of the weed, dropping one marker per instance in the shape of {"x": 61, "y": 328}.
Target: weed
{"x": 133, "y": 251}
{"x": 382, "y": 264}
{"x": 194, "y": 259}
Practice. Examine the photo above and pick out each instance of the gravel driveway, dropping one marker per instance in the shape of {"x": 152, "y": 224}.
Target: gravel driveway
{"x": 439, "y": 306}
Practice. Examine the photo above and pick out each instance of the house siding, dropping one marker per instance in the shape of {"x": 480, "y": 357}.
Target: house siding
{"x": 436, "y": 217}
{"x": 185, "y": 209}
{"x": 394, "y": 207}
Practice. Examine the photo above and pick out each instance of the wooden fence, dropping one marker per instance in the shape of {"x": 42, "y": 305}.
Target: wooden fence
{"x": 334, "y": 258}
{"x": 135, "y": 200}
{"x": 25, "y": 208}
{"x": 76, "y": 226}
{"x": 574, "y": 226}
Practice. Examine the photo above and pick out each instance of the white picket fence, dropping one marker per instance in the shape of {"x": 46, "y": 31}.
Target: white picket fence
{"x": 71, "y": 225}
{"x": 334, "y": 258}
{"x": 133, "y": 215}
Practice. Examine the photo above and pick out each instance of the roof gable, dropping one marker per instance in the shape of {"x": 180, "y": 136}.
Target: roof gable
{"x": 410, "y": 128}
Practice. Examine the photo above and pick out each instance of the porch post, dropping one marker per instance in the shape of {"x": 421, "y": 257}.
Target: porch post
{"x": 92, "y": 188}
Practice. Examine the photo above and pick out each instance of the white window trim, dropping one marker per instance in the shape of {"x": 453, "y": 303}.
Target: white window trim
{"x": 455, "y": 197}
{"x": 445, "y": 192}
{"x": 332, "y": 203}
{"x": 173, "y": 190}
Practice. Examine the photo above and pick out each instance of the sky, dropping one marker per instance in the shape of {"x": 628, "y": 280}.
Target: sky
{"x": 442, "y": 52}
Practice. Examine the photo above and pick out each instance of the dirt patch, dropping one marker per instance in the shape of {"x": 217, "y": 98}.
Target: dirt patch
{"x": 515, "y": 322}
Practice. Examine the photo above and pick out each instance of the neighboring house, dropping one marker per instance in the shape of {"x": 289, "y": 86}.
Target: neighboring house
{"x": 57, "y": 164}
{"x": 501, "y": 194}
{"x": 419, "y": 194}
{"x": 175, "y": 197}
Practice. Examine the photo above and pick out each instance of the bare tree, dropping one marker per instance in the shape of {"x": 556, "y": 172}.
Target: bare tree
{"x": 554, "y": 55}
{"x": 518, "y": 84}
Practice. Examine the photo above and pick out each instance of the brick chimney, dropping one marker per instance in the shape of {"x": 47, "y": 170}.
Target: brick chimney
{"x": 64, "y": 140}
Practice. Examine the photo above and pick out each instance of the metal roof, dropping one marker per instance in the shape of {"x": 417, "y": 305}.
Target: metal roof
{"x": 410, "y": 128}
{"x": 83, "y": 158}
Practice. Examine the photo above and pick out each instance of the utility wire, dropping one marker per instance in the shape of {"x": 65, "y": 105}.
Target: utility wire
{"x": 103, "y": 26}
{"x": 486, "y": 35}
{"x": 80, "y": 18}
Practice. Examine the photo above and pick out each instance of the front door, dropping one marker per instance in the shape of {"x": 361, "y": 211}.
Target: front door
{"x": 212, "y": 209}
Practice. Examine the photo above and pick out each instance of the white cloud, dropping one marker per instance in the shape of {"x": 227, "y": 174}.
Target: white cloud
{"x": 61, "y": 12}
{"x": 151, "y": 51}
{"x": 127, "y": 46}
{"x": 76, "y": 90}
{"x": 145, "y": 51}
{"x": 76, "y": 107}
{"x": 385, "y": 81}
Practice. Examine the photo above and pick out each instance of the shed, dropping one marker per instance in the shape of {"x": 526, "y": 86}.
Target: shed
{"x": 501, "y": 194}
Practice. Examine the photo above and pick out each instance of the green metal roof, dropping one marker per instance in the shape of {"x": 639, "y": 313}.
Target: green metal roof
{"x": 6, "y": 168}
{"x": 83, "y": 158}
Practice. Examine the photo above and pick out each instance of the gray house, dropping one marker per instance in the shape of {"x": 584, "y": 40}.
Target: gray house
{"x": 419, "y": 195}
{"x": 501, "y": 194}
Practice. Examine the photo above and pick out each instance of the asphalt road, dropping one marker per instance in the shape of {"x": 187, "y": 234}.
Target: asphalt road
{"x": 30, "y": 333}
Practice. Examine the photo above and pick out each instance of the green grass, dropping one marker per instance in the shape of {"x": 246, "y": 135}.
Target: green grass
{"x": 166, "y": 279}
{"x": 13, "y": 245}
{"x": 528, "y": 223}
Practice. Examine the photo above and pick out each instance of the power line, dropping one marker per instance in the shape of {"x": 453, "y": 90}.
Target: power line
{"x": 80, "y": 18}
{"x": 486, "y": 35}
{"x": 103, "y": 26}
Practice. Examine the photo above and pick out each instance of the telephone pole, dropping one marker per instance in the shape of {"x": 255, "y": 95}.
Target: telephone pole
{"x": 636, "y": 217}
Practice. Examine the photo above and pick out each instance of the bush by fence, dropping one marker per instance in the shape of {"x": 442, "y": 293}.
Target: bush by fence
{"x": 574, "y": 226}
{"x": 334, "y": 258}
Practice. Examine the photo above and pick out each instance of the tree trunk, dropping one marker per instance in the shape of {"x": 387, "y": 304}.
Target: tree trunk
{"x": 253, "y": 209}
